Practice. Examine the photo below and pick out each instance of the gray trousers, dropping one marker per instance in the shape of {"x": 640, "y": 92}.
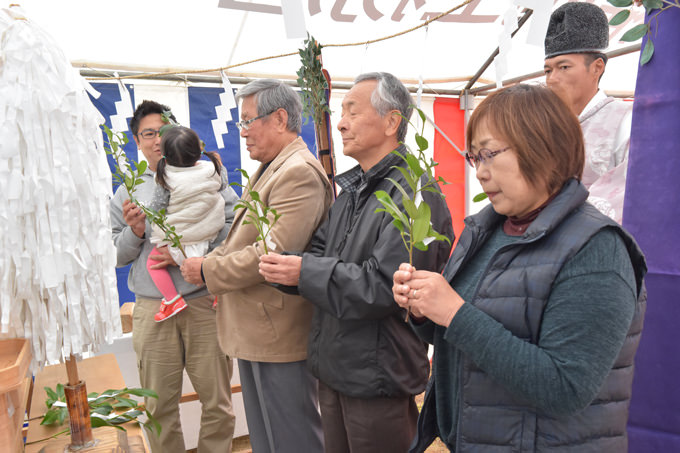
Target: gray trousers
{"x": 282, "y": 407}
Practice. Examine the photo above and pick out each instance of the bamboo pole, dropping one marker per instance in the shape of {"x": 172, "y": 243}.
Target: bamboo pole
{"x": 78, "y": 407}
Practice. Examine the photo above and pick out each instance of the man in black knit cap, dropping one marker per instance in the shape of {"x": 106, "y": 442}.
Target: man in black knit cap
{"x": 578, "y": 34}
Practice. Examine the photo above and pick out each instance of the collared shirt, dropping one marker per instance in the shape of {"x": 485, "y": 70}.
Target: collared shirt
{"x": 355, "y": 180}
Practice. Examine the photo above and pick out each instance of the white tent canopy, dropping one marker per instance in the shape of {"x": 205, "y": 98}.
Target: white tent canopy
{"x": 175, "y": 35}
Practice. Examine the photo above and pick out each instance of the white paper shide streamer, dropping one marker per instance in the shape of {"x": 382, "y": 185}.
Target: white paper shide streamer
{"x": 505, "y": 44}
{"x": 539, "y": 19}
{"x": 223, "y": 110}
{"x": 123, "y": 107}
{"x": 57, "y": 259}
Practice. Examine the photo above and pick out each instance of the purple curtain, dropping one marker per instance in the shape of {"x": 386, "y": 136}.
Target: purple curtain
{"x": 652, "y": 214}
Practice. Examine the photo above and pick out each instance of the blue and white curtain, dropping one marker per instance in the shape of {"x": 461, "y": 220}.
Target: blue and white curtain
{"x": 194, "y": 107}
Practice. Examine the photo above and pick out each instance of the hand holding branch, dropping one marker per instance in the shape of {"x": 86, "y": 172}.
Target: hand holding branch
{"x": 281, "y": 269}
{"x": 426, "y": 294}
{"x": 163, "y": 259}
{"x": 134, "y": 217}
{"x": 191, "y": 270}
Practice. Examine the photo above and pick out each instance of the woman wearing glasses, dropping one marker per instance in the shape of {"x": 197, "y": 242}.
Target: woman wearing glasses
{"x": 538, "y": 314}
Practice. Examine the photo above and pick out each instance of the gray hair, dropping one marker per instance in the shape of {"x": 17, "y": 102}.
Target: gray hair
{"x": 390, "y": 94}
{"x": 272, "y": 94}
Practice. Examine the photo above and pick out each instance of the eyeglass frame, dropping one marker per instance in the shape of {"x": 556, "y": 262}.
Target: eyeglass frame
{"x": 245, "y": 125}
{"x": 155, "y": 131}
{"x": 474, "y": 160}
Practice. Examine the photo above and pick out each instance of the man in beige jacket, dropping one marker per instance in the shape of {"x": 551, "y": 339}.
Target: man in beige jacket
{"x": 265, "y": 329}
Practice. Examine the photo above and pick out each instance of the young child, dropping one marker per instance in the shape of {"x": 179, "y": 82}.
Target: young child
{"x": 189, "y": 190}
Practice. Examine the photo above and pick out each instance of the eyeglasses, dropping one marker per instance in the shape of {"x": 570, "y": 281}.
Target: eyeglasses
{"x": 245, "y": 125}
{"x": 149, "y": 133}
{"x": 484, "y": 155}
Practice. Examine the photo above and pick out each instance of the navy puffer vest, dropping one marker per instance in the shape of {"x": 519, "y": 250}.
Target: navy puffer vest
{"x": 519, "y": 281}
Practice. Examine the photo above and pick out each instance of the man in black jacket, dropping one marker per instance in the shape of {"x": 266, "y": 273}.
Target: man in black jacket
{"x": 369, "y": 362}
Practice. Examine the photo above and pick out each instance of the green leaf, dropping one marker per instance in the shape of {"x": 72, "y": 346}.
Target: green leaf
{"x": 164, "y": 129}
{"x": 398, "y": 225}
{"x": 421, "y": 114}
{"x": 105, "y": 409}
{"x": 635, "y": 33}
{"x": 421, "y": 224}
{"x": 621, "y": 3}
{"x": 479, "y": 197}
{"x": 62, "y": 413}
{"x": 421, "y": 142}
{"x": 134, "y": 413}
{"x": 432, "y": 190}
{"x": 410, "y": 206}
{"x": 50, "y": 417}
{"x": 155, "y": 426}
{"x": 620, "y": 17}
{"x": 97, "y": 422}
{"x": 125, "y": 402}
{"x": 647, "y": 52}
{"x": 420, "y": 246}
{"x": 399, "y": 155}
{"x": 141, "y": 166}
{"x": 60, "y": 391}
{"x": 391, "y": 207}
{"x": 398, "y": 186}
{"x": 652, "y": 4}
{"x": 51, "y": 394}
{"x": 412, "y": 183}
{"x": 147, "y": 393}
{"x": 414, "y": 165}
{"x": 437, "y": 236}
{"x": 392, "y": 210}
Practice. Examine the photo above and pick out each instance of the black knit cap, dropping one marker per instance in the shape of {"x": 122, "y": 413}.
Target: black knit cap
{"x": 577, "y": 27}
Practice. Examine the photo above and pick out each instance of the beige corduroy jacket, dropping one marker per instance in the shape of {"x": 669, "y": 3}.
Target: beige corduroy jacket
{"x": 255, "y": 321}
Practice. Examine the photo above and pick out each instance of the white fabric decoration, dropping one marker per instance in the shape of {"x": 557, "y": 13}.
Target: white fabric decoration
{"x": 505, "y": 44}
{"x": 223, "y": 110}
{"x": 294, "y": 19}
{"x": 57, "y": 258}
{"x": 539, "y": 20}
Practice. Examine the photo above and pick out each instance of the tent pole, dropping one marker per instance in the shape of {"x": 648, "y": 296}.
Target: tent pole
{"x": 533, "y": 75}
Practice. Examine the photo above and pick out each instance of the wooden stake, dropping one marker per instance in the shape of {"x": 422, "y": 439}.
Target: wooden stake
{"x": 72, "y": 370}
